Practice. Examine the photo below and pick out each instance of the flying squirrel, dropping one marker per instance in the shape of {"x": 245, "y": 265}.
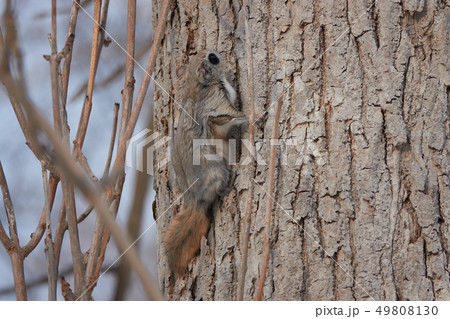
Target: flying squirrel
{"x": 202, "y": 170}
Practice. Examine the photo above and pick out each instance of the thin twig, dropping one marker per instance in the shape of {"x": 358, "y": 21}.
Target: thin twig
{"x": 16, "y": 253}
{"x": 81, "y": 158}
{"x": 118, "y": 166}
{"x": 85, "y": 214}
{"x": 134, "y": 222}
{"x": 93, "y": 258}
{"x": 6, "y": 241}
{"x": 133, "y": 227}
{"x": 66, "y": 52}
{"x": 10, "y": 45}
{"x": 81, "y": 218}
{"x": 99, "y": 242}
{"x": 93, "y": 192}
{"x": 40, "y": 228}
{"x": 43, "y": 279}
{"x": 7, "y": 42}
{"x": 104, "y": 240}
{"x": 252, "y": 168}
{"x": 75, "y": 248}
{"x": 10, "y": 215}
{"x": 112, "y": 141}
{"x": 122, "y": 241}
{"x": 87, "y": 106}
{"x": 66, "y": 291}
{"x": 54, "y": 65}
{"x": 23, "y": 122}
{"x": 128, "y": 87}
{"x": 61, "y": 127}
{"x": 72, "y": 174}
{"x": 52, "y": 267}
{"x": 61, "y": 228}
{"x": 127, "y": 101}
{"x": 115, "y": 73}
{"x": 69, "y": 46}
{"x": 270, "y": 196}
{"x": 96, "y": 48}
{"x": 159, "y": 32}
{"x": 70, "y": 206}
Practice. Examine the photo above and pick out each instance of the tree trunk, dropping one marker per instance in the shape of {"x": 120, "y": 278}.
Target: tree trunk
{"x": 362, "y": 194}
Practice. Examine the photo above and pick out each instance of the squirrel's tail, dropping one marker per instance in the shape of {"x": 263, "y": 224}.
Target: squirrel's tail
{"x": 183, "y": 237}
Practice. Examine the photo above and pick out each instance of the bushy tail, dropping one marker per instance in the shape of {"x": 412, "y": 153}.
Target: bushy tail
{"x": 182, "y": 240}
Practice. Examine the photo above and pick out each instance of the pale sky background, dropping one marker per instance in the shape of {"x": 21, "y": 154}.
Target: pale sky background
{"x": 22, "y": 169}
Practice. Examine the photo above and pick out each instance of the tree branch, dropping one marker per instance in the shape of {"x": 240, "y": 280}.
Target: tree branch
{"x": 59, "y": 160}
{"x": 52, "y": 267}
{"x": 68, "y": 49}
{"x": 15, "y": 252}
{"x": 269, "y": 194}
{"x": 61, "y": 228}
{"x": 112, "y": 142}
{"x": 159, "y": 32}
{"x": 10, "y": 215}
{"x": 40, "y": 228}
{"x": 6, "y": 45}
{"x": 95, "y": 53}
{"x": 128, "y": 87}
{"x": 252, "y": 168}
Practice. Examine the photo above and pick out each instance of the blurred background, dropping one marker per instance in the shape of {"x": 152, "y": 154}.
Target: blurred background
{"x": 23, "y": 170}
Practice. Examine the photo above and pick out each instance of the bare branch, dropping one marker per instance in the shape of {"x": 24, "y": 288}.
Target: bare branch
{"x": 159, "y": 32}
{"x": 6, "y": 241}
{"x": 60, "y": 230}
{"x": 95, "y": 53}
{"x": 43, "y": 279}
{"x": 112, "y": 142}
{"x": 68, "y": 48}
{"x": 94, "y": 257}
{"x": 17, "y": 258}
{"x": 52, "y": 267}
{"x": 56, "y": 157}
{"x": 81, "y": 218}
{"x": 269, "y": 194}
{"x": 114, "y": 74}
{"x": 128, "y": 87}
{"x": 120, "y": 156}
{"x": 15, "y": 252}
{"x": 40, "y": 228}
{"x": 61, "y": 129}
{"x": 79, "y": 155}
{"x": 127, "y": 101}
{"x": 249, "y": 207}
{"x": 133, "y": 228}
{"x": 7, "y": 44}
{"x": 77, "y": 255}
{"x": 10, "y": 215}
{"x": 100, "y": 237}
{"x": 92, "y": 192}
{"x": 66, "y": 291}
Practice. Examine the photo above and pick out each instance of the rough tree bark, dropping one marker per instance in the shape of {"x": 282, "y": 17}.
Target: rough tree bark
{"x": 362, "y": 196}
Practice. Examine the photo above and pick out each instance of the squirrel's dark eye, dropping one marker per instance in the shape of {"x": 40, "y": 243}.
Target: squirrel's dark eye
{"x": 213, "y": 59}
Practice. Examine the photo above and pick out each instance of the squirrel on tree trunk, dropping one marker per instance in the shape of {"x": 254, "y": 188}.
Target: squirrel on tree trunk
{"x": 209, "y": 121}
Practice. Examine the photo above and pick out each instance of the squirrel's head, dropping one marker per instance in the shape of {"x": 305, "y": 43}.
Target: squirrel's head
{"x": 207, "y": 67}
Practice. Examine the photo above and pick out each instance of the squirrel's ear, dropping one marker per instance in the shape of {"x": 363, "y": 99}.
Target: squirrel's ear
{"x": 181, "y": 71}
